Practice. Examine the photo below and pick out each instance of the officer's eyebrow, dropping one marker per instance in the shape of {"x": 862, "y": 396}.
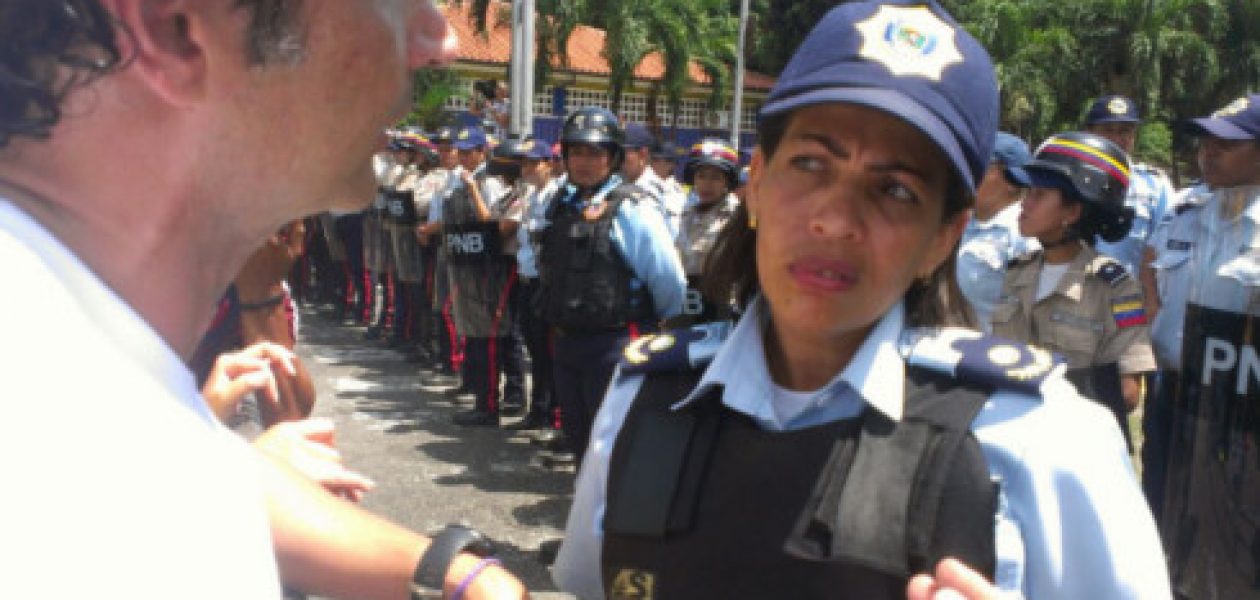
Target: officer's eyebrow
{"x": 890, "y": 165}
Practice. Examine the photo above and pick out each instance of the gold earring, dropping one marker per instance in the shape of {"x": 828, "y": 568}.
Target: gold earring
{"x": 752, "y": 220}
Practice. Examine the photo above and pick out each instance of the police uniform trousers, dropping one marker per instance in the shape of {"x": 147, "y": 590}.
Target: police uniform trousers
{"x": 408, "y": 262}
{"x": 483, "y": 309}
{"x": 359, "y": 289}
{"x": 584, "y": 364}
{"x": 1157, "y": 423}
{"x": 536, "y": 335}
{"x": 334, "y": 276}
{"x": 451, "y": 344}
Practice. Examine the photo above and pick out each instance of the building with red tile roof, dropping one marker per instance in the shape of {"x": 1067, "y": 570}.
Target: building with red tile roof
{"x": 582, "y": 79}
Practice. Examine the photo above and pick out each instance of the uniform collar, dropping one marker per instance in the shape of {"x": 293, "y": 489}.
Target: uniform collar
{"x": 876, "y": 372}
{"x": 1007, "y": 217}
{"x": 1071, "y": 286}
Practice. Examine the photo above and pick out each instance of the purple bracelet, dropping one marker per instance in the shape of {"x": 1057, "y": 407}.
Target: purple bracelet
{"x": 468, "y": 579}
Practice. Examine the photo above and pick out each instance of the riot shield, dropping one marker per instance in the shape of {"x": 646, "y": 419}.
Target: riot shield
{"x": 1211, "y": 518}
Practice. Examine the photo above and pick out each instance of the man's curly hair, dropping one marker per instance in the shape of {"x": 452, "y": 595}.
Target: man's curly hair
{"x": 48, "y": 47}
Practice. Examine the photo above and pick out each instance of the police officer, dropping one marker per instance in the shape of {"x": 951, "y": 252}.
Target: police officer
{"x": 635, "y": 169}
{"x": 665, "y": 157}
{"x": 378, "y": 253}
{"x": 1209, "y": 227}
{"x": 992, "y": 237}
{"x": 607, "y": 267}
{"x": 450, "y": 355}
{"x": 1067, "y": 297}
{"x": 712, "y": 172}
{"x": 786, "y": 456}
{"x": 401, "y": 218}
{"x": 1150, "y": 195}
{"x": 475, "y": 221}
{"x": 542, "y": 187}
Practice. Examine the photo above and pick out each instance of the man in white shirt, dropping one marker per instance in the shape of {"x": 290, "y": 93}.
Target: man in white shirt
{"x": 131, "y": 243}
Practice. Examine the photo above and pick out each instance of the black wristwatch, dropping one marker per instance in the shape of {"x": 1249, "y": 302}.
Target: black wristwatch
{"x": 430, "y": 574}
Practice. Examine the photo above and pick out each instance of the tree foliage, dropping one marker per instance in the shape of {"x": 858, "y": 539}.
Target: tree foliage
{"x": 1175, "y": 58}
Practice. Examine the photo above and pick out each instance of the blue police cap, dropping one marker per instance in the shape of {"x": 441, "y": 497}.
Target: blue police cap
{"x": 909, "y": 59}
{"x": 1112, "y": 109}
{"x": 666, "y": 151}
{"x": 638, "y": 136}
{"x": 470, "y": 138}
{"x": 1013, "y": 153}
{"x": 1239, "y": 120}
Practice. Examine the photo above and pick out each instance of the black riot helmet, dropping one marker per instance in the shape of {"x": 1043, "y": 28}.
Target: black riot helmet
{"x": 1090, "y": 169}
{"x": 713, "y": 152}
{"x": 506, "y": 159}
{"x": 598, "y": 127}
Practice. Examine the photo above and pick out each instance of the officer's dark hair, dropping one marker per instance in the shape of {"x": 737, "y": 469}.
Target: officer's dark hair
{"x": 731, "y": 268}
{"x": 52, "y": 46}
{"x": 1093, "y": 224}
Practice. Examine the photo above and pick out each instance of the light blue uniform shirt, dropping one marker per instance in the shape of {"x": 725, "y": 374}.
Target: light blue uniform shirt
{"x": 454, "y": 181}
{"x": 985, "y": 250}
{"x": 1150, "y": 195}
{"x": 641, "y": 237}
{"x": 1072, "y": 522}
{"x": 1204, "y": 257}
{"x": 534, "y": 220}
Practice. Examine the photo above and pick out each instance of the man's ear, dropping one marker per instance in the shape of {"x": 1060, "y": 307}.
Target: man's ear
{"x": 165, "y": 42}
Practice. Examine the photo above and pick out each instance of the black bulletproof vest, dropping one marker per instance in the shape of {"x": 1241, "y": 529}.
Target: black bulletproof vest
{"x": 703, "y": 503}
{"x": 585, "y": 283}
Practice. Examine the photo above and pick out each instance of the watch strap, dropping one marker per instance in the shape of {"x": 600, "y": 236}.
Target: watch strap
{"x": 431, "y": 570}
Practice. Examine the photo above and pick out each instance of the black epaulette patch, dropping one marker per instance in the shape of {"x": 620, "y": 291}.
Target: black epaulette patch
{"x": 1186, "y": 207}
{"x": 676, "y": 350}
{"x": 980, "y": 359}
{"x": 1109, "y": 271}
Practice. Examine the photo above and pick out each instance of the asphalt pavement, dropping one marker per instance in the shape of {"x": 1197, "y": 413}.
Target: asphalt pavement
{"x": 394, "y": 426}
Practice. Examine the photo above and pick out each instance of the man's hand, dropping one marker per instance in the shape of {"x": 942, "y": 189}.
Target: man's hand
{"x": 952, "y": 581}
{"x": 307, "y": 447}
{"x": 236, "y": 374}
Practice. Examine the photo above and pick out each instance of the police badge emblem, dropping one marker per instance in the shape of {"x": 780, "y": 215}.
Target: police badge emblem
{"x": 1118, "y": 106}
{"x": 909, "y": 41}
{"x": 633, "y": 584}
{"x": 1233, "y": 108}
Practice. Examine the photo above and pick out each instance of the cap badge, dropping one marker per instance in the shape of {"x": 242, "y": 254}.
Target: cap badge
{"x": 463, "y": 135}
{"x": 528, "y": 145}
{"x": 1233, "y": 108}
{"x": 909, "y": 41}
{"x": 1118, "y": 106}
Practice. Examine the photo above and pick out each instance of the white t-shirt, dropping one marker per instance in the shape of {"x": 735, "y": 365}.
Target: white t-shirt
{"x": 119, "y": 482}
{"x": 1051, "y": 275}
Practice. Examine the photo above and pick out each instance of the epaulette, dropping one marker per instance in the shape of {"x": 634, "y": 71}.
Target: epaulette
{"x": 1108, "y": 270}
{"x": 1186, "y": 207}
{"x": 1022, "y": 258}
{"x": 675, "y": 350}
{"x": 629, "y": 191}
{"x": 980, "y": 359}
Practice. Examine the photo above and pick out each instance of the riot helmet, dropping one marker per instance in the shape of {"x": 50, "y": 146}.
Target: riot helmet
{"x": 1090, "y": 169}
{"x": 598, "y": 127}
{"x": 713, "y": 152}
{"x": 505, "y": 160}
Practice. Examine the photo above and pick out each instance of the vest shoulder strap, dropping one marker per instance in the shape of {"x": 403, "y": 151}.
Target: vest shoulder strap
{"x": 659, "y": 485}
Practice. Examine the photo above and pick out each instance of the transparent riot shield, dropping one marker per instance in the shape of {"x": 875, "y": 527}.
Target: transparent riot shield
{"x": 1211, "y": 518}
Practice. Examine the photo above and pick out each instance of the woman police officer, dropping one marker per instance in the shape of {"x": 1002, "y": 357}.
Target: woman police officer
{"x": 781, "y": 457}
{"x": 1068, "y": 298}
